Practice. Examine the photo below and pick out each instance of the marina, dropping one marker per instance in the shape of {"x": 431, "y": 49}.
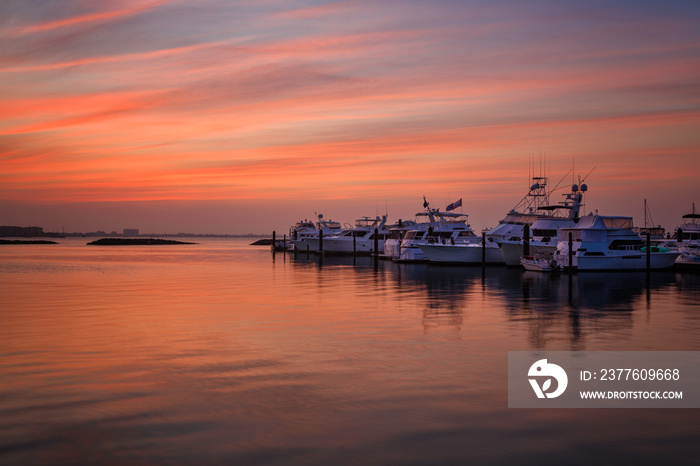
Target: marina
{"x": 535, "y": 234}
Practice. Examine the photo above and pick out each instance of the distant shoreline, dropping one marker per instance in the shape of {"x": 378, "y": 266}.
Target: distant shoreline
{"x": 135, "y": 242}
{"x": 26, "y": 241}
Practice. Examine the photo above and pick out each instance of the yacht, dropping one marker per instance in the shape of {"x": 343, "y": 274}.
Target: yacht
{"x": 359, "y": 239}
{"x": 544, "y": 231}
{"x": 688, "y": 241}
{"x": 404, "y": 243}
{"x": 608, "y": 243}
{"x": 303, "y": 230}
{"x": 510, "y": 228}
{"x": 690, "y": 229}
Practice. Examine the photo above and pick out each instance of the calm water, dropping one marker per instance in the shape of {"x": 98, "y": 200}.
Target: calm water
{"x": 220, "y": 353}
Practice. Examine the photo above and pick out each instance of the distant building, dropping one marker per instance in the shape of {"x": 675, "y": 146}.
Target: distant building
{"x": 131, "y": 231}
{"x": 22, "y": 232}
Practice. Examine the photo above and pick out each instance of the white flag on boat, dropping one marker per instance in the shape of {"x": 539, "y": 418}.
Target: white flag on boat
{"x": 454, "y": 205}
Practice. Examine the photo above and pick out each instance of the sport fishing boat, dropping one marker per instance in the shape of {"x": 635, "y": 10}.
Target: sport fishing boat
{"x": 608, "y": 243}
{"x": 404, "y": 243}
{"x": 359, "y": 239}
{"x": 544, "y": 231}
{"x": 303, "y": 230}
{"x": 524, "y": 213}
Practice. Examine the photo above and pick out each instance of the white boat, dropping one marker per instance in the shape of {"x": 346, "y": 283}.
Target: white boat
{"x": 510, "y": 228}
{"x": 687, "y": 238}
{"x": 303, "y": 230}
{"x": 689, "y": 231}
{"x": 358, "y": 240}
{"x": 689, "y": 257}
{"x": 544, "y": 231}
{"x": 608, "y": 243}
{"x": 441, "y": 228}
{"x": 464, "y": 253}
{"x": 539, "y": 264}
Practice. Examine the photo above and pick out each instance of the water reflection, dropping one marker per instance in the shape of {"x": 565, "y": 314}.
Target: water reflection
{"x": 553, "y": 309}
{"x": 218, "y": 354}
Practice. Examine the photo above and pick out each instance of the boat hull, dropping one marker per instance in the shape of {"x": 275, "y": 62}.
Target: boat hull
{"x": 633, "y": 261}
{"x": 688, "y": 261}
{"x": 412, "y": 254}
{"x": 343, "y": 246}
{"x": 461, "y": 253}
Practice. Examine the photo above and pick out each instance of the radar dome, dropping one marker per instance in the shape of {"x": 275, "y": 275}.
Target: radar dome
{"x": 574, "y": 188}
{"x": 584, "y": 188}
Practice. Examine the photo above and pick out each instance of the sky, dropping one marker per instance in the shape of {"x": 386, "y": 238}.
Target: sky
{"x": 225, "y": 116}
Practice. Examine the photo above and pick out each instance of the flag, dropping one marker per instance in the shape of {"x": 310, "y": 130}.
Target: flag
{"x": 454, "y": 205}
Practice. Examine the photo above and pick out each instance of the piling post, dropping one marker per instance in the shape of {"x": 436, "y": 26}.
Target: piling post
{"x": 648, "y": 251}
{"x": 354, "y": 245}
{"x": 526, "y": 240}
{"x": 284, "y": 241}
{"x": 376, "y": 242}
{"x": 483, "y": 249}
{"x": 679, "y": 237}
{"x": 320, "y": 241}
{"x": 571, "y": 253}
{"x": 274, "y": 240}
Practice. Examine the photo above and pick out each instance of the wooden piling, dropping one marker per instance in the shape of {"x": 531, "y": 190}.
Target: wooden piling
{"x": 526, "y": 240}
{"x": 571, "y": 253}
{"x": 648, "y": 251}
{"x": 376, "y": 242}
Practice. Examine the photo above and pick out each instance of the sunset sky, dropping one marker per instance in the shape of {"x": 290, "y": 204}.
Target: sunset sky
{"x": 228, "y": 116}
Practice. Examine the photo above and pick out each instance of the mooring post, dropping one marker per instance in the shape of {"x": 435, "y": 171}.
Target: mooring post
{"x": 320, "y": 241}
{"x": 376, "y": 242}
{"x": 354, "y": 245}
{"x": 526, "y": 240}
{"x": 483, "y": 249}
{"x": 571, "y": 253}
{"x": 648, "y": 251}
{"x": 284, "y": 241}
{"x": 679, "y": 235}
{"x": 274, "y": 240}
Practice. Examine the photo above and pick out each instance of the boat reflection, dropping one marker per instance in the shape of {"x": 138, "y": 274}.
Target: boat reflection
{"x": 555, "y": 311}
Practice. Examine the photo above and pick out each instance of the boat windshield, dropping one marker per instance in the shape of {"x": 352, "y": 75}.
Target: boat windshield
{"x": 618, "y": 222}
